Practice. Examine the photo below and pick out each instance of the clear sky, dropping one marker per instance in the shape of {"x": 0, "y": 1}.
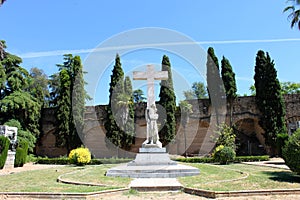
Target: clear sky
{"x": 41, "y": 31}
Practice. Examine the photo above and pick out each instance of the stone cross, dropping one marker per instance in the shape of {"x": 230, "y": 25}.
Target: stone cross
{"x": 151, "y": 116}
{"x": 150, "y": 75}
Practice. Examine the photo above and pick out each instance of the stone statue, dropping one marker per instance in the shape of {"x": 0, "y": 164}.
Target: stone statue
{"x": 151, "y": 75}
{"x": 11, "y": 134}
{"x": 152, "y": 130}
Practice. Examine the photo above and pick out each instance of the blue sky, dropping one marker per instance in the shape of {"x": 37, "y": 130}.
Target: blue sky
{"x": 41, "y": 31}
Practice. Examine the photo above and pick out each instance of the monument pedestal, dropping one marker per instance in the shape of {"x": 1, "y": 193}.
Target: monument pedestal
{"x": 10, "y": 160}
{"x": 152, "y": 162}
{"x": 152, "y": 156}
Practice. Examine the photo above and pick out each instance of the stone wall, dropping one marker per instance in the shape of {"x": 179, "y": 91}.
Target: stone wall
{"x": 198, "y": 130}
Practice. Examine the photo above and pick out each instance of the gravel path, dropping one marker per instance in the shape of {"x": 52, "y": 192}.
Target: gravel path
{"x": 26, "y": 167}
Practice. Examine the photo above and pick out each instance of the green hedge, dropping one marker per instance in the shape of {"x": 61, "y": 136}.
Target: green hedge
{"x": 4, "y": 146}
{"x": 21, "y": 154}
{"x": 66, "y": 161}
{"x": 237, "y": 159}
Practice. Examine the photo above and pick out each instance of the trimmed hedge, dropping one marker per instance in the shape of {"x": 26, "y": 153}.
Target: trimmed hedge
{"x": 21, "y": 154}
{"x": 66, "y": 161}
{"x": 237, "y": 159}
{"x": 4, "y": 146}
{"x": 291, "y": 152}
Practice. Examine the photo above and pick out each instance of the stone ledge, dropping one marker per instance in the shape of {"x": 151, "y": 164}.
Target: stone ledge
{"x": 242, "y": 193}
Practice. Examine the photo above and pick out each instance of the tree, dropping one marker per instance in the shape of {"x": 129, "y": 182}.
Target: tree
{"x": 228, "y": 77}
{"x": 138, "y": 96}
{"x": 117, "y": 99}
{"x": 214, "y": 81}
{"x": 185, "y": 109}
{"x": 128, "y": 132}
{"x": 198, "y": 91}
{"x": 167, "y": 101}
{"x": 16, "y": 102}
{"x": 38, "y": 85}
{"x": 295, "y": 13}
{"x": 269, "y": 99}
{"x": 290, "y": 88}
{"x": 70, "y": 102}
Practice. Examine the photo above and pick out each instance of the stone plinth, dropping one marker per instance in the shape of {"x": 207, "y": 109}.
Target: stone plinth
{"x": 10, "y": 160}
{"x": 152, "y": 156}
{"x": 152, "y": 163}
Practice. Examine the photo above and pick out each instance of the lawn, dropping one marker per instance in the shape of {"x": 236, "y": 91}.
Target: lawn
{"x": 212, "y": 177}
{"x": 240, "y": 177}
{"x": 46, "y": 180}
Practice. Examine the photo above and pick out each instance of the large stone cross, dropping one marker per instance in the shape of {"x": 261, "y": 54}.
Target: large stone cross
{"x": 151, "y": 112}
{"x": 150, "y": 75}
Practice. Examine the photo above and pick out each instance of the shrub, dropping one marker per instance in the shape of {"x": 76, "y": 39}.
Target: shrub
{"x": 291, "y": 152}
{"x": 280, "y": 142}
{"x": 80, "y": 156}
{"x": 53, "y": 161}
{"x": 4, "y": 146}
{"x": 224, "y": 154}
{"x": 237, "y": 159}
{"x": 21, "y": 153}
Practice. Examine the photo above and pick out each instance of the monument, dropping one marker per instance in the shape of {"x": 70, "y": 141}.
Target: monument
{"x": 11, "y": 133}
{"x": 152, "y": 161}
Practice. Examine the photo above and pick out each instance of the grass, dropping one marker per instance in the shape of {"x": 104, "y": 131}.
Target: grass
{"x": 46, "y": 181}
{"x": 96, "y": 175}
{"x": 240, "y": 177}
{"x": 212, "y": 177}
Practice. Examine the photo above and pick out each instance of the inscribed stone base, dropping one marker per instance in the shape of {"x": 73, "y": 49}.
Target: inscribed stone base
{"x": 10, "y": 160}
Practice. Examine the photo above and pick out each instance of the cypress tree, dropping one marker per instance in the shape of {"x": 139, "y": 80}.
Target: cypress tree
{"x": 214, "y": 81}
{"x": 228, "y": 77}
{"x": 70, "y": 102}
{"x": 167, "y": 101}
{"x": 116, "y": 89}
{"x": 64, "y": 110}
{"x": 269, "y": 99}
{"x": 128, "y": 136}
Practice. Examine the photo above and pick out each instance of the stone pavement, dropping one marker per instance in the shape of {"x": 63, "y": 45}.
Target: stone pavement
{"x": 155, "y": 184}
{"x": 273, "y": 162}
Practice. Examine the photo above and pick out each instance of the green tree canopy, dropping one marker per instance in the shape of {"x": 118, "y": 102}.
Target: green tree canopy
{"x": 138, "y": 96}
{"x": 294, "y": 10}
{"x": 198, "y": 91}
{"x": 269, "y": 99}
{"x": 167, "y": 101}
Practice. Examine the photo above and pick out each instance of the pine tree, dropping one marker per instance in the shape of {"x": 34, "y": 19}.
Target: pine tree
{"x": 214, "y": 82}
{"x": 269, "y": 99}
{"x": 228, "y": 77}
{"x": 167, "y": 101}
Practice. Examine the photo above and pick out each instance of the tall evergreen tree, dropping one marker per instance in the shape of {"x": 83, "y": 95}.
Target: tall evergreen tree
{"x": 269, "y": 99}
{"x": 64, "y": 111}
{"x": 167, "y": 101}
{"x": 116, "y": 89}
{"x": 16, "y": 102}
{"x": 214, "y": 81}
{"x": 228, "y": 77}
{"x": 128, "y": 136}
{"x": 70, "y": 102}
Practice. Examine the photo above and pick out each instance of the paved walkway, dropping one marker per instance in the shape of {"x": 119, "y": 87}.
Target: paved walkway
{"x": 273, "y": 162}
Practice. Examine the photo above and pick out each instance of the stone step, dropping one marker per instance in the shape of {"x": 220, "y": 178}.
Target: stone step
{"x": 155, "y": 184}
{"x": 153, "y": 171}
